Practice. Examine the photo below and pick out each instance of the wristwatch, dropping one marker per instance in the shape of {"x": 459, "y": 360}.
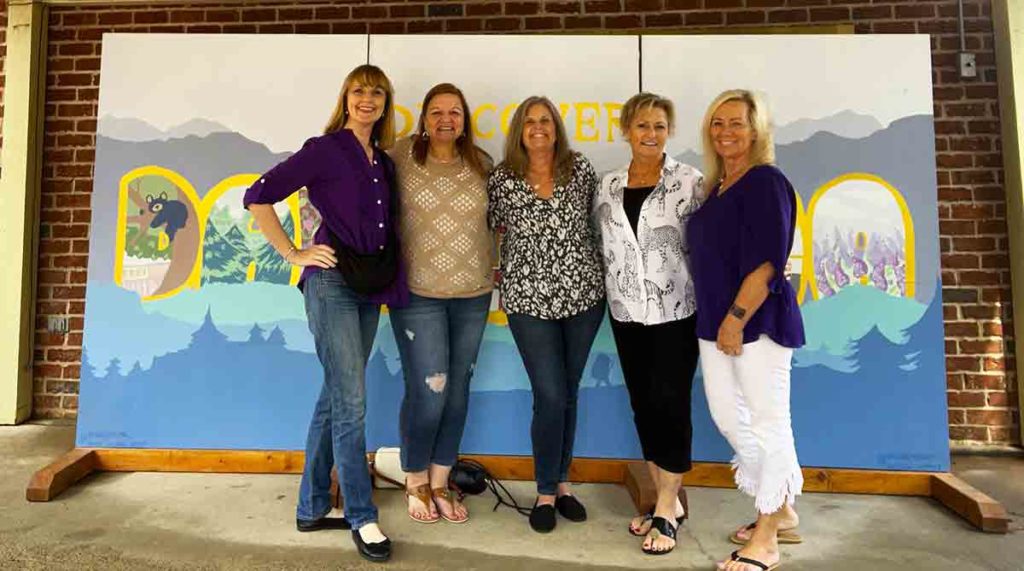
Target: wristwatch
{"x": 737, "y": 312}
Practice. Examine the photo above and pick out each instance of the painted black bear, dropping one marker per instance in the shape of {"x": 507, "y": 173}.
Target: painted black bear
{"x": 172, "y": 213}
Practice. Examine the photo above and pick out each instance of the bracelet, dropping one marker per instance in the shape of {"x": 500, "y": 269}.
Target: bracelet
{"x": 291, "y": 250}
{"x": 737, "y": 312}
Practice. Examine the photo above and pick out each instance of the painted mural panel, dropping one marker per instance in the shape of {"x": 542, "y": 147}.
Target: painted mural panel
{"x": 196, "y": 336}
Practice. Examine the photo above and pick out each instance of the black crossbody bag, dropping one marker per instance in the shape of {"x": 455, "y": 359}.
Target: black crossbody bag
{"x": 368, "y": 274}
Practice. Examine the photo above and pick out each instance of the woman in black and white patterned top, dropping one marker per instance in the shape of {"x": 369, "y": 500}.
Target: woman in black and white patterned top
{"x": 641, "y": 212}
{"x": 552, "y": 286}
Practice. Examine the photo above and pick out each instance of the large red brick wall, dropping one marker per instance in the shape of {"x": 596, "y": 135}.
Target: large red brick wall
{"x": 976, "y": 292}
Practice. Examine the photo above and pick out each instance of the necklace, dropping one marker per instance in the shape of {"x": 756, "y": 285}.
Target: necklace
{"x": 644, "y": 178}
{"x": 543, "y": 180}
{"x": 538, "y": 185}
{"x": 728, "y": 180}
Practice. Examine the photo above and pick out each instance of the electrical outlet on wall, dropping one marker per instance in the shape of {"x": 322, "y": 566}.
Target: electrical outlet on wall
{"x": 968, "y": 65}
{"x": 57, "y": 324}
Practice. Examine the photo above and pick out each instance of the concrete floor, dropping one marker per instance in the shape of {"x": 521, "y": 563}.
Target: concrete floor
{"x": 223, "y": 521}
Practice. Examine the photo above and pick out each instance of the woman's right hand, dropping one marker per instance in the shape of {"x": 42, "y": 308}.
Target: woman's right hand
{"x": 319, "y": 255}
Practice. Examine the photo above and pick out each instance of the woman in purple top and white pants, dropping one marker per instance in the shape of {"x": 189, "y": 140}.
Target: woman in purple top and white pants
{"x": 348, "y": 176}
{"x": 748, "y": 320}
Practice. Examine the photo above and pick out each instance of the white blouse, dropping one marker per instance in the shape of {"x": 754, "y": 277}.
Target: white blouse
{"x": 647, "y": 274}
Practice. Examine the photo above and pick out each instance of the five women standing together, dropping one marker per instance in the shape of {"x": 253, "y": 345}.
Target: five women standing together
{"x": 687, "y": 269}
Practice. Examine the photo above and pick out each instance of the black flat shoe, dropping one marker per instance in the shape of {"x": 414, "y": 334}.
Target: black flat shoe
{"x": 571, "y": 508}
{"x": 376, "y": 552}
{"x": 305, "y": 525}
{"x": 542, "y": 518}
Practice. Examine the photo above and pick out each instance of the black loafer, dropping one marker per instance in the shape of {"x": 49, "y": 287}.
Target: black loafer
{"x": 376, "y": 552}
{"x": 542, "y": 518}
{"x": 571, "y": 508}
{"x": 305, "y": 525}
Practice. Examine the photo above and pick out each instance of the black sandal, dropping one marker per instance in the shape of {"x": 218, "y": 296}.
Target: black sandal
{"x": 663, "y": 527}
{"x": 644, "y": 519}
{"x": 650, "y": 515}
{"x": 737, "y": 557}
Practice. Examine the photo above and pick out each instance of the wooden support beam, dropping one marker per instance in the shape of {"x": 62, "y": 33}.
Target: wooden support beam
{"x": 60, "y": 475}
{"x": 971, "y": 504}
{"x": 641, "y": 487}
{"x": 218, "y": 461}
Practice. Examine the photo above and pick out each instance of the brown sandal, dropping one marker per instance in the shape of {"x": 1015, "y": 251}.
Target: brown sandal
{"x": 421, "y": 493}
{"x": 445, "y": 494}
{"x": 788, "y": 536}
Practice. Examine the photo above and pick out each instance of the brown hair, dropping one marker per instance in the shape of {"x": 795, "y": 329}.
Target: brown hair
{"x": 369, "y": 76}
{"x": 516, "y": 158}
{"x": 471, "y": 154}
{"x": 644, "y": 100}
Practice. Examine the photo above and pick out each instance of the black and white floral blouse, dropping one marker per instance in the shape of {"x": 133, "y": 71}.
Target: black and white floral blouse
{"x": 550, "y": 259}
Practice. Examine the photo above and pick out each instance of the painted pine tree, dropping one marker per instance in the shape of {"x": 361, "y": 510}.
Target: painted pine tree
{"x": 877, "y": 354}
{"x": 926, "y": 335}
{"x": 276, "y": 337}
{"x": 270, "y": 266}
{"x": 225, "y": 256}
{"x": 207, "y": 335}
{"x": 113, "y": 369}
{"x": 256, "y": 334}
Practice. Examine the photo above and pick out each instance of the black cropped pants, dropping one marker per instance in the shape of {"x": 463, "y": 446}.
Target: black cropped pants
{"x": 658, "y": 363}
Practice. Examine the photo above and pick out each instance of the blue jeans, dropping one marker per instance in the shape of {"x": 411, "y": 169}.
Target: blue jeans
{"x": 438, "y": 341}
{"x": 343, "y": 324}
{"x": 555, "y": 353}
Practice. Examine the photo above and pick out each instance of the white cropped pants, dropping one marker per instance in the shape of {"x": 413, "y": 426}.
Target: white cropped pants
{"x": 749, "y": 400}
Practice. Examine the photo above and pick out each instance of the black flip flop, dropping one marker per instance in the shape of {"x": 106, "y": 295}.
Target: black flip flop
{"x": 739, "y": 558}
{"x": 664, "y": 528}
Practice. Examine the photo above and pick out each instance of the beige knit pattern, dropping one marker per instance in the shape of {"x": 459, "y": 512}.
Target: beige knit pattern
{"x": 446, "y": 244}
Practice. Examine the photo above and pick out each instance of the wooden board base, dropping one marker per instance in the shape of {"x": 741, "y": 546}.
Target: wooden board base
{"x": 60, "y": 475}
{"x": 970, "y": 503}
{"x": 977, "y": 508}
{"x": 982, "y": 511}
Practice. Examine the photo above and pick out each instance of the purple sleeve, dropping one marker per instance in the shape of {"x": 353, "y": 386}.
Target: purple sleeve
{"x": 767, "y": 227}
{"x": 288, "y": 176}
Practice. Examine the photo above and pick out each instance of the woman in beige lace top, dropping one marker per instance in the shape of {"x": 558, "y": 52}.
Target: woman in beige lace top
{"x": 447, "y": 249}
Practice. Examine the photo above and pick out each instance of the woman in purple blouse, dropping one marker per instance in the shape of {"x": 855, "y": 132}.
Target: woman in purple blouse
{"x": 348, "y": 272}
{"x": 748, "y": 320}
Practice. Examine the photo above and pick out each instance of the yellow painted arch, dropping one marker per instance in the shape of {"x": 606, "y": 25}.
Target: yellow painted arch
{"x": 247, "y": 180}
{"x": 908, "y": 226}
{"x": 122, "y": 219}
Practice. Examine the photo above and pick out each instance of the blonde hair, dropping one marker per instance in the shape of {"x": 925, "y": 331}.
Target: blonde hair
{"x": 516, "y": 158}
{"x": 372, "y": 77}
{"x": 644, "y": 100}
{"x": 762, "y": 150}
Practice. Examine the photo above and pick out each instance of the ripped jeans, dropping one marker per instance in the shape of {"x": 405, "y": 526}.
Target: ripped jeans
{"x": 438, "y": 341}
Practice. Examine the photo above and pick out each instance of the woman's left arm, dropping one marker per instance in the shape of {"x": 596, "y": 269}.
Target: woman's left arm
{"x": 753, "y": 292}
{"x": 765, "y": 238}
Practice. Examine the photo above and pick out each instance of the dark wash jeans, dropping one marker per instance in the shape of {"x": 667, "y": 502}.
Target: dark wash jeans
{"x": 438, "y": 341}
{"x": 343, "y": 324}
{"x": 555, "y": 353}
